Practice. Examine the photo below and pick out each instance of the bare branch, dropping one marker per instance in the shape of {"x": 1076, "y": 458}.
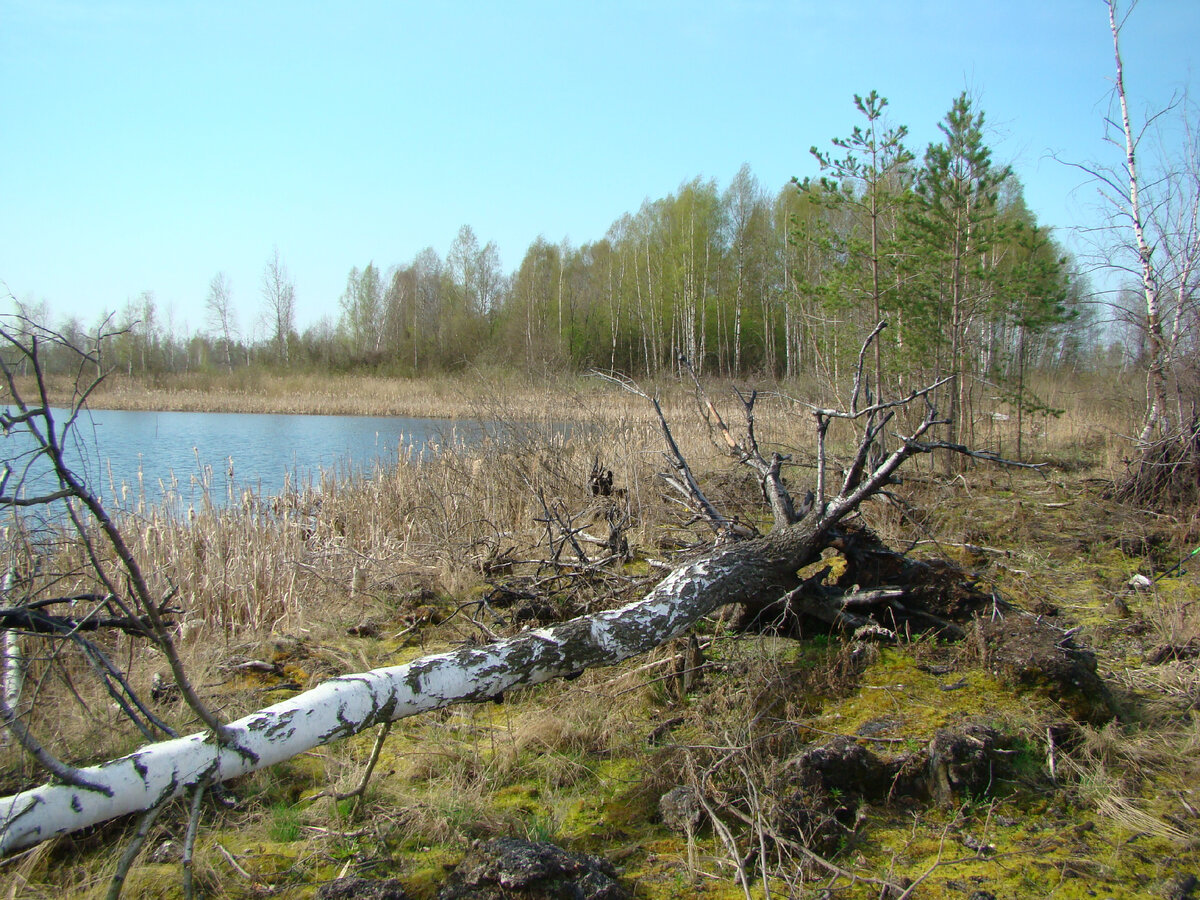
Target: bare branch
{"x": 684, "y": 481}
{"x": 858, "y": 369}
{"x": 769, "y": 471}
{"x": 64, "y": 773}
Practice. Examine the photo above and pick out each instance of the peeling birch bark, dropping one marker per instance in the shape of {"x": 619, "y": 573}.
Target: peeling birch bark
{"x": 752, "y": 571}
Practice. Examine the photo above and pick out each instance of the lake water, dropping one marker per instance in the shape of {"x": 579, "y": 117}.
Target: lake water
{"x": 148, "y": 450}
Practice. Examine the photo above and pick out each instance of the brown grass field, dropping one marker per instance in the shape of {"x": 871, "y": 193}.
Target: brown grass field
{"x": 342, "y": 576}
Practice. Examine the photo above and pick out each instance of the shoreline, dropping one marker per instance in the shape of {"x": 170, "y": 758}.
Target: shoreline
{"x": 469, "y": 396}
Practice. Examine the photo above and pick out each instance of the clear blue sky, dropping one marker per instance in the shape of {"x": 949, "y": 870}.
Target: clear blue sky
{"x": 149, "y": 145}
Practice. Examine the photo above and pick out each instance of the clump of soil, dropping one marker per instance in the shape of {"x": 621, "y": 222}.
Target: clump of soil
{"x": 680, "y": 809}
{"x": 814, "y": 819}
{"x": 842, "y": 766}
{"x": 355, "y": 888}
{"x": 535, "y": 870}
{"x": 1030, "y": 654}
{"x": 823, "y": 788}
{"x": 865, "y": 587}
{"x": 962, "y": 762}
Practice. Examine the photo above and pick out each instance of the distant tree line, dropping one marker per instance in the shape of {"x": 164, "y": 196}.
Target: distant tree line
{"x": 736, "y": 280}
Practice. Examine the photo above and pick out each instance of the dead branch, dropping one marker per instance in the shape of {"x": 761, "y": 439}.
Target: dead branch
{"x": 683, "y": 481}
{"x": 770, "y": 471}
{"x": 145, "y": 615}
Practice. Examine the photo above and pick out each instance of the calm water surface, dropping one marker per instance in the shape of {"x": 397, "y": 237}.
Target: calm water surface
{"x": 149, "y": 451}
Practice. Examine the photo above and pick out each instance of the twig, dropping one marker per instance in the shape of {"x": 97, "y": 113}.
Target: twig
{"x": 357, "y": 792}
{"x": 770, "y": 471}
{"x": 65, "y": 773}
{"x": 229, "y": 858}
{"x": 727, "y": 839}
{"x": 858, "y": 369}
{"x": 756, "y": 809}
{"x": 189, "y": 840}
{"x": 135, "y": 847}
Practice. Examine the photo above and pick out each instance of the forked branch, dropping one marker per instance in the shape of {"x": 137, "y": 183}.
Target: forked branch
{"x": 683, "y": 480}
{"x": 770, "y": 471}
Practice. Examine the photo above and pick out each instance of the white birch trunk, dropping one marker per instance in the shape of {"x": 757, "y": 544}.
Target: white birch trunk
{"x": 746, "y": 572}
{"x": 1156, "y": 373}
{"x": 13, "y": 658}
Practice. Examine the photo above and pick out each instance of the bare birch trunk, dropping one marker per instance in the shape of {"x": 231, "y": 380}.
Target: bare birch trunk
{"x": 13, "y": 678}
{"x": 1156, "y": 374}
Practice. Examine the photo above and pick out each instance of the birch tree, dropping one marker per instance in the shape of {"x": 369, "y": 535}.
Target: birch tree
{"x": 218, "y": 306}
{"x": 279, "y": 297}
{"x": 1152, "y": 240}
{"x": 1160, "y": 215}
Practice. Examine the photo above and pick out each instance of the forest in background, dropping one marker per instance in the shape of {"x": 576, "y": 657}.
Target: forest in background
{"x": 737, "y": 281}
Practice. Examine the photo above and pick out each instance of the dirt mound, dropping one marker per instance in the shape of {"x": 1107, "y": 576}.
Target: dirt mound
{"x": 1030, "y": 654}
{"x": 842, "y": 766}
{"x": 355, "y": 888}
{"x": 823, "y": 788}
{"x": 962, "y": 761}
{"x": 533, "y": 870}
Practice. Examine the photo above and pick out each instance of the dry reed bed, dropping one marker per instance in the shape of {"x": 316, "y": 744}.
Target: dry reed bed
{"x": 309, "y": 561}
{"x": 1098, "y": 409}
{"x": 434, "y": 397}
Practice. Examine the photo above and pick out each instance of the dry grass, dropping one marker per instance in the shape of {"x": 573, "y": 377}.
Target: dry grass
{"x": 242, "y": 568}
{"x": 279, "y": 579}
{"x": 261, "y": 391}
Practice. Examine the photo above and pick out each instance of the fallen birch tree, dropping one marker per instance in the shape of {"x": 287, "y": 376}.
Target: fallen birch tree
{"x": 349, "y": 704}
{"x": 754, "y": 570}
